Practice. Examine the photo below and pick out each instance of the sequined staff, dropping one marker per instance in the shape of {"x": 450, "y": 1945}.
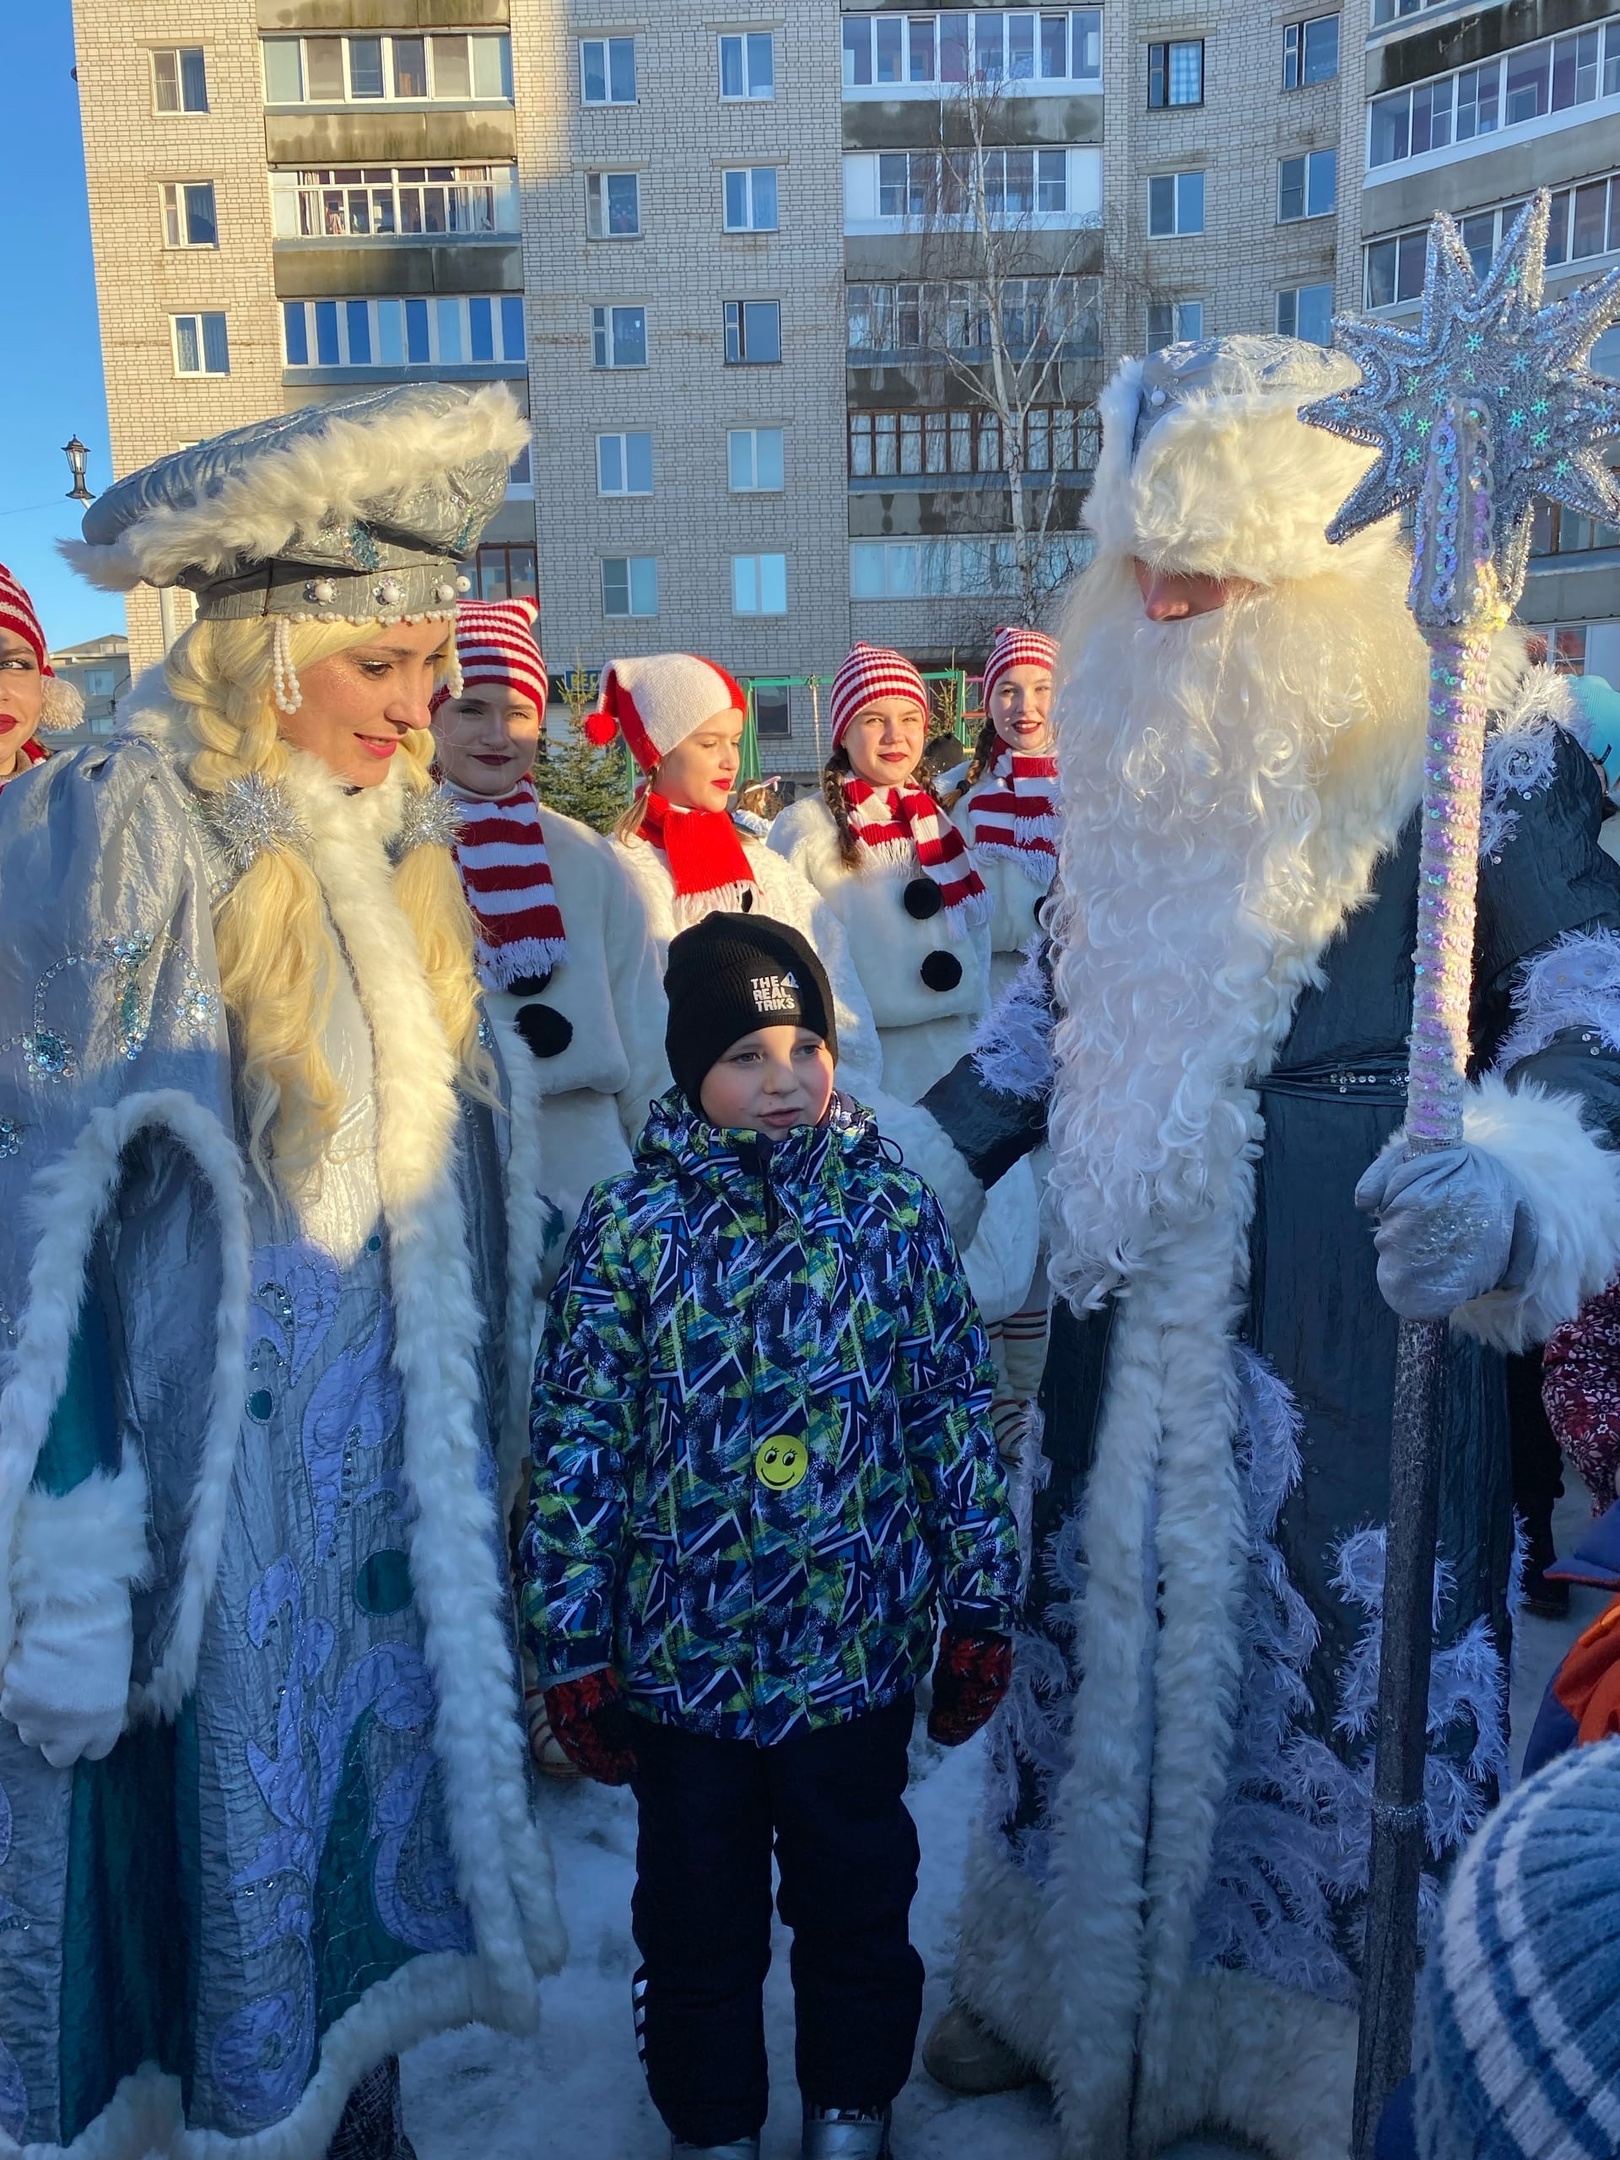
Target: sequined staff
{"x": 1483, "y": 407}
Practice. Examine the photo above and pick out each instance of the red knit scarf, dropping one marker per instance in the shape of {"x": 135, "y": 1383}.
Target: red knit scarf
{"x": 500, "y": 851}
{"x": 701, "y": 846}
{"x": 902, "y": 825}
{"x": 1015, "y": 814}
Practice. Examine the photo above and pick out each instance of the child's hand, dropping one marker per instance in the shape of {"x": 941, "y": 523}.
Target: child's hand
{"x": 591, "y": 1724}
{"x": 970, "y": 1677}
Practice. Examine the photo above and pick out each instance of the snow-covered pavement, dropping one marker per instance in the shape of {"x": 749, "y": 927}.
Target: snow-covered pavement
{"x": 576, "y": 2093}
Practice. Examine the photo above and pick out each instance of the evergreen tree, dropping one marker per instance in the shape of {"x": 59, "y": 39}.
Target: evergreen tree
{"x": 576, "y": 777}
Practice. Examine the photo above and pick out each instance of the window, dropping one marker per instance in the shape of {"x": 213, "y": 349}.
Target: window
{"x": 1036, "y": 313}
{"x": 506, "y": 573}
{"x": 1174, "y": 322}
{"x": 382, "y": 202}
{"x": 443, "y": 332}
{"x": 1527, "y": 84}
{"x": 200, "y": 345}
{"x": 753, "y": 333}
{"x": 1175, "y": 204}
{"x": 520, "y": 474}
{"x": 759, "y": 584}
{"x": 629, "y": 584}
{"x": 966, "y": 440}
{"x": 447, "y": 69}
{"x": 1306, "y": 186}
{"x": 1556, "y": 530}
{"x": 613, "y": 206}
{"x": 1176, "y": 73}
{"x": 1310, "y": 51}
{"x": 1582, "y": 222}
{"x": 1023, "y": 50}
{"x": 936, "y": 569}
{"x": 607, "y": 71}
{"x": 618, "y": 337}
{"x": 1306, "y": 312}
{"x": 750, "y": 198}
{"x": 179, "y": 79}
{"x": 754, "y": 460}
{"x": 624, "y": 464}
{"x": 188, "y": 215}
{"x": 773, "y": 710}
{"x": 747, "y": 66}
{"x": 1011, "y": 183}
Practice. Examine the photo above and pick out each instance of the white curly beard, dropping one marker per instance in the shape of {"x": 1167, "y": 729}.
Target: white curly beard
{"x": 1228, "y": 783}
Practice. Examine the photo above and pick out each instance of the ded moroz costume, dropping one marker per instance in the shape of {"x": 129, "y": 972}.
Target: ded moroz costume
{"x": 268, "y": 1247}
{"x": 1163, "y": 1908}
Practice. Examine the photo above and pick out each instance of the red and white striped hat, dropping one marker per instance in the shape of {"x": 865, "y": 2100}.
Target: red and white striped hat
{"x": 657, "y": 701}
{"x": 17, "y": 614}
{"x": 870, "y": 672}
{"x": 1015, "y": 645}
{"x": 495, "y": 643}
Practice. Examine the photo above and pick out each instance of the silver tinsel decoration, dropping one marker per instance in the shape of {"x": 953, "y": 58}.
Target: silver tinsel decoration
{"x": 1487, "y": 404}
{"x": 431, "y": 820}
{"x": 251, "y": 815}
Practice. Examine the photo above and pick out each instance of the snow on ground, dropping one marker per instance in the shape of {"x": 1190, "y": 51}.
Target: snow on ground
{"x": 577, "y": 2093}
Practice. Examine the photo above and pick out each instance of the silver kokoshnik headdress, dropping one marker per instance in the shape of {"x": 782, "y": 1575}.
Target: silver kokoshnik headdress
{"x": 359, "y": 511}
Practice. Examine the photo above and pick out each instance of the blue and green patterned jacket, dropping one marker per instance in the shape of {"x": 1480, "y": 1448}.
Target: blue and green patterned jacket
{"x": 763, "y": 1466}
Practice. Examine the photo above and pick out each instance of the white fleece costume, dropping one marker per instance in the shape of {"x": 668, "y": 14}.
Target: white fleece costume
{"x": 922, "y": 1031}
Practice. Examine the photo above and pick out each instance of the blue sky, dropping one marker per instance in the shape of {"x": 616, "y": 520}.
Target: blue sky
{"x": 50, "y": 364}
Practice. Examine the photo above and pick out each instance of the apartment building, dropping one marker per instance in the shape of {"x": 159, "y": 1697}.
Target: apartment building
{"x": 1469, "y": 108}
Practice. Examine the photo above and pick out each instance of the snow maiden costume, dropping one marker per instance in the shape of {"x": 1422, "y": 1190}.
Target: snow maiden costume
{"x": 1163, "y": 1908}
{"x": 263, "y": 1811}
{"x": 916, "y": 914}
{"x": 564, "y": 954}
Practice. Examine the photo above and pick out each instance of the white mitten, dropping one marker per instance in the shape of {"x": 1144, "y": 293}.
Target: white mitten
{"x": 79, "y": 1553}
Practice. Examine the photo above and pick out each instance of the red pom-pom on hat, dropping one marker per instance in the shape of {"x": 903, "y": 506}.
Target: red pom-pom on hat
{"x": 600, "y": 728}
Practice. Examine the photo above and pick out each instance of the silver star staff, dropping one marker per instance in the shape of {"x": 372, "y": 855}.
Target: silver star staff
{"x": 1485, "y": 406}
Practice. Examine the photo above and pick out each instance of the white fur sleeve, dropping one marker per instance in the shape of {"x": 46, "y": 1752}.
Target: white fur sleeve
{"x": 639, "y": 1004}
{"x": 1570, "y": 1179}
{"x": 860, "y": 1054}
{"x": 84, "y": 1547}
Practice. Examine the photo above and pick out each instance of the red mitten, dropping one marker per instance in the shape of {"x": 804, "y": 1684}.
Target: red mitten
{"x": 970, "y": 1677}
{"x": 591, "y": 1724}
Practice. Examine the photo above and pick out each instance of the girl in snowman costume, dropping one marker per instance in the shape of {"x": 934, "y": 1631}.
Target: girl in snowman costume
{"x": 685, "y": 854}
{"x": 1006, "y": 809}
{"x": 886, "y": 859}
{"x": 563, "y": 952}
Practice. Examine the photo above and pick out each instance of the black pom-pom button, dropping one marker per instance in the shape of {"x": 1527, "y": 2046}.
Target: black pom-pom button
{"x": 940, "y": 971}
{"x": 530, "y": 985}
{"x": 923, "y": 898}
{"x": 746, "y": 904}
{"x": 547, "y": 1033}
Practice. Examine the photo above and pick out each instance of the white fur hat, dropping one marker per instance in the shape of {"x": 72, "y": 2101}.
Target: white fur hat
{"x": 1207, "y": 468}
{"x": 657, "y": 701}
{"x": 359, "y": 510}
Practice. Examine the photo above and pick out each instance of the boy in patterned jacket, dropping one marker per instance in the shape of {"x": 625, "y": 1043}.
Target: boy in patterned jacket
{"x": 763, "y": 1472}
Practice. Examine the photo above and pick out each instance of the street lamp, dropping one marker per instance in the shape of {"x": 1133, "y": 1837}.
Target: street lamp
{"x": 76, "y": 452}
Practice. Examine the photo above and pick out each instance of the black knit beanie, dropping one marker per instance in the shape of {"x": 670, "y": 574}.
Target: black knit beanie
{"x": 731, "y": 974}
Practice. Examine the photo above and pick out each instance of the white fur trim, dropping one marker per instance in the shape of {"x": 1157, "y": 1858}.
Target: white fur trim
{"x": 526, "y": 1215}
{"x": 355, "y": 468}
{"x": 928, "y": 1151}
{"x": 455, "y": 1538}
{"x": 1229, "y": 483}
{"x": 71, "y": 1546}
{"x": 71, "y": 1196}
{"x": 1570, "y": 1177}
{"x": 1012, "y": 1044}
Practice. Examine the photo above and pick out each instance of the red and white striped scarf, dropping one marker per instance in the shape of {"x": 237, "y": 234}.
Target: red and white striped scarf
{"x": 500, "y": 851}
{"x": 1015, "y": 813}
{"x": 905, "y": 825}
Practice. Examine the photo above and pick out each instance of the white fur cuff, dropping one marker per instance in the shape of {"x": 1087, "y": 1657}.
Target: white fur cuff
{"x": 1570, "y": 1178}
{"x": 923, "y": 1142}
{"x": 79, "y": 1548}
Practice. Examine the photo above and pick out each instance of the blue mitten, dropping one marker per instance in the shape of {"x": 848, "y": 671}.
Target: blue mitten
{"x": 1451, "y": 1226}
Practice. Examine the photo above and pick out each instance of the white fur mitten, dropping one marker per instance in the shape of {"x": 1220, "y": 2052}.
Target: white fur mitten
{"x": 79, "y": 1554}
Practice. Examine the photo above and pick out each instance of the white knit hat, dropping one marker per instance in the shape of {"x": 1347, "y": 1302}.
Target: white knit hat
{"x": 657, "y": 701}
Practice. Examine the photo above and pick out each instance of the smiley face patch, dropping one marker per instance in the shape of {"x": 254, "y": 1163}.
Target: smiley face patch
{"x": 781, "y": 1461}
